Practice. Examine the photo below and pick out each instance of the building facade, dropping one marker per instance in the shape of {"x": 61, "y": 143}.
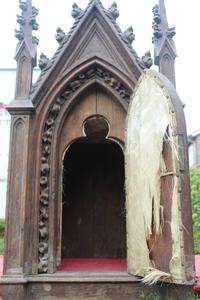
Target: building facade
{"x": 194, "y": 148}
{"x": 4, "y": 135}
{"x": 7, "y": 89}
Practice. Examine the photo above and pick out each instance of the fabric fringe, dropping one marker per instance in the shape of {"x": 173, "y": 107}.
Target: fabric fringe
{"x": 156, "y": 275}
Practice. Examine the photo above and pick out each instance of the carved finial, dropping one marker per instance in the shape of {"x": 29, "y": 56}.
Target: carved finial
{"x": 19, "y": 34}
{"x": 156, "y": 14}
{"x": 43, "y": 61}
{"x": 157, "y": 32}
{"x": 27, "y": 21}
{"x": 26, "y": 48}
{"x": 35, "y": 40}
{"x": 21, "y": 19}
{"x": 32, "y": 20}
{"x": 114, "y": 11}
{"x": 129, "y": 34}
{"x": 22, "y": 5}
{"x": 160, "y": 24}
{"x": 164, "y": 46}
{"x": 76, "y": 11}
{"x": 171, "y": 32}
{"x": 34, "y": 11}
{"x": 147, "y": 59}
{"x": 60, "y": 35}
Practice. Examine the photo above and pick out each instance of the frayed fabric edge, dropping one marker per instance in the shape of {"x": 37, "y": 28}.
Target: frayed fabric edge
{"x": 155, "y": 275}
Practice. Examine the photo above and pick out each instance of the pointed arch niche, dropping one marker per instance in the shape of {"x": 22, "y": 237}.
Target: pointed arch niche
{"x": 93, "y": 200}
{"x": 92, "y": 203}
{"x": 87, "y": 153}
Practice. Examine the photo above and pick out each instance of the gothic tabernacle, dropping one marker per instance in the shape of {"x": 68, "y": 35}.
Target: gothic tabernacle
{"x": 98, "y": 202}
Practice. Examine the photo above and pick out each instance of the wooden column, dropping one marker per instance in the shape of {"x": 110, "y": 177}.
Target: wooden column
{"x": 17, "y": 196}
{"x": 17, "y": 229}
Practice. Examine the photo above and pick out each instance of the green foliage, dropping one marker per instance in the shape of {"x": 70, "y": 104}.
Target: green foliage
{"x": 153, "y": 296}
{"x": 195, "y": 193}
{"x": 2, "y": 227}
{"x": 193, "y": 297}
{"x": 1, "y": 246}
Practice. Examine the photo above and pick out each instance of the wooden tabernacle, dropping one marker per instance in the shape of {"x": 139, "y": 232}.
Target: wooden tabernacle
{"x": 66, "y": 199}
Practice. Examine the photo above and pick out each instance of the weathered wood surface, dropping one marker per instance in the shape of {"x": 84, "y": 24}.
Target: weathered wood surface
{"x": 91, "y": 291}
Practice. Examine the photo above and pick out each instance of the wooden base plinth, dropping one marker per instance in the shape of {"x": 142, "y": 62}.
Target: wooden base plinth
{"x": 13, "y": 291}
{"x": 62, "y": 286}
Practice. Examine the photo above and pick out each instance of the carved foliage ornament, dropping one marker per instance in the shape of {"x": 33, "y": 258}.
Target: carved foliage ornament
{"x": 27, "y": 22}
{"x": 43, "y": 61}
{"x": 60, "y": 35}
{"x": 157, "y": 26}
{"x": 47, "y": 136}
{"x": 76, "y": 11}
{"x": 129, "y": 35}
{"x": 147, "y": 59}
{"x": 157, "y": 32}
{"x": 114, "y": 13}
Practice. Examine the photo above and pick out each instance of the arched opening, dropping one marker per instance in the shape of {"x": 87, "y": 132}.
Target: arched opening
{"x": 93, "y": 213}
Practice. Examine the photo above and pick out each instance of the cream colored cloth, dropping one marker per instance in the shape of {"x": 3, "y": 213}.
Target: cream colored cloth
{"x": 147, "y": 122}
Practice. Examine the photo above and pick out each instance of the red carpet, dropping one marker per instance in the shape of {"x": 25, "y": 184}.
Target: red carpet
{"x": 197, "y": 267}
{"x": 104, "y": 265}
{"x": 1, "y": 265}
{"x": 92, "y": 265}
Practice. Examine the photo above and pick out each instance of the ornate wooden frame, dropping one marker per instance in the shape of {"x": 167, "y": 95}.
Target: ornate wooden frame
{"x": 94, "y": 75}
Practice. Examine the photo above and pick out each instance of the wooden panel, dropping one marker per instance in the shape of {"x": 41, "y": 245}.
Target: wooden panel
{"x": 163, "y": 243}
{"x": 93, "y": 202}
{"x": 186, "y": 212}
{"x": 93, "y": 291}
{"x": 94, "y": 101}
{"x": 24, "y": 78}
{"x": 16, "y": 196}
{"x": 113, "y": 112}
{"x": 72, "y": 128}
{"x": 15, "y": 291}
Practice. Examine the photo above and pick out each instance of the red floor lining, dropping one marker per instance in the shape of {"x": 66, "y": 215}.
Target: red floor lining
{"x": 92, "y": 265}
{"x": 197, "y": 269}
{"x": 1, "y": 265}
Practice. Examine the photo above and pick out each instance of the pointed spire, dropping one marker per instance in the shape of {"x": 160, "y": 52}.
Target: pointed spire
{"x": 163, "y": 14}
{"x": 164, "y": 46}
{"x": 27, "y": 22}
{"x": 26, "y": 48}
